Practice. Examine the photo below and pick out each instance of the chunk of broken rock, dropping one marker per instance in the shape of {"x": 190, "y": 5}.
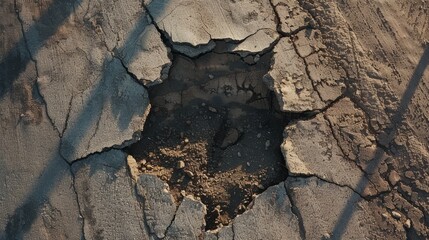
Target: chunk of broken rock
{"x": 159, "y": 206}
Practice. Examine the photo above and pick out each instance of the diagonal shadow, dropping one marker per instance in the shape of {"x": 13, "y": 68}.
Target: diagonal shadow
{"x": 24, "y": 216}
{"x": 18, "y": 57}
{"x": 386, "y": 137}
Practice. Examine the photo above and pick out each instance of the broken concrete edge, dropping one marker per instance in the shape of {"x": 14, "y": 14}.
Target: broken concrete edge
{"x": 135, "y": 175}
{"x": 146, "y": 83}
{"x": 196, "y": 50}
{"x": 136, "y": 136}
{"x": 366, "y": 174}
{"x": 291, "y": 159}
{"x": 131, "y": 166}
{"x": 295, "y": 210}
{"x": 104, "y": 172}
{"x": 309, "y": 24}
{"x": 124, "y": 144}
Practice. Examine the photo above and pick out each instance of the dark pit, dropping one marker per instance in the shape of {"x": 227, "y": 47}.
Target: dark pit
{"x": 214, "y": 131}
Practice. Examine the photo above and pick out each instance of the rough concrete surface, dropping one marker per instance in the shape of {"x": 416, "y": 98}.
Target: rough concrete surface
{"x": 189, "y": 221}
{"x": 319, "y": 202}
{"x": 107, "y": 198}
{"x": 270, "y": 217}
{"x": 271, "y": 119}
{"x": 159, "y": 206}
{"x": 189, "y": 24}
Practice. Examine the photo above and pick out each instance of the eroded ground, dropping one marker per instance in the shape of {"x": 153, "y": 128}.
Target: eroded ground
{"x": 214, "y": 132}
{"x": 176, "y": 119}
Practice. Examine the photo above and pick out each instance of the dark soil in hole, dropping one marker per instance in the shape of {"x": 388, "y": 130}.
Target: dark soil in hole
{"x": 214, "y": 132}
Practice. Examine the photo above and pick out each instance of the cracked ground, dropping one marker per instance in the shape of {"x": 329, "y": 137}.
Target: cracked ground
{"x": 177, "y": 119}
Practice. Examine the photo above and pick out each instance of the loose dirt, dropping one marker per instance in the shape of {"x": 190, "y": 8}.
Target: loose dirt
{"x": 215, "y": 133}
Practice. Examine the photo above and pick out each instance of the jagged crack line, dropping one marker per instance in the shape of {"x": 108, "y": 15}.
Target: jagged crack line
{"x": 295, "y": 211}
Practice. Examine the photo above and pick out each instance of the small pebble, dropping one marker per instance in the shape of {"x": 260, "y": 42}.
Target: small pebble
{"x": 212, "y": 109}
{"x": 326, "y": 236}
{"x": 189, "y": 173}
{"x": 239, "y": 154}
{"x": 186, "y": 140}
{"x": 407, "y": 223}
{"x": 256, "y": 58}
{"x": 396, "y": 215}
{"x": 248, "y": 164}
{"x": 211, "y": 76}
{"x": 394, "y": 177}
{"x": 181, "y": 164}
{"x": 188, "y": 122}
{"x": 259, "y": 135}
{"x": 203, "y": 104}
{"x": 267, "y": 144}
{"x": 409, "y": 174}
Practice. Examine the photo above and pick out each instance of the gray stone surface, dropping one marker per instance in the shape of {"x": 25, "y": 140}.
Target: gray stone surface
{"x": 36, "y": 195}
{"x": 159, "y": 206}
{"x": 96, "y": 103}
{"x": 210, "y": 236}
{"x": 303, "y": 83}
{"x": 107, "y": 198}
{"x": 270, "y": 217}
{"x": 150, "y": 63}
{"x": 321, "y": 207}
{"x": 336, "y": 146}
{"x": 198, "y": 23}
{"x": 259, "y": 42}
{"x": 310, "y": 149}
{"x": 109, "y": 113}
{"x": 226, "y": 233}
{"x": 189, "y": 221}
{"x": 99, "y": 28}
{"x": 353, "y": 136}
{"x": 289, "y": 80}
{"x": 85, "y": 54}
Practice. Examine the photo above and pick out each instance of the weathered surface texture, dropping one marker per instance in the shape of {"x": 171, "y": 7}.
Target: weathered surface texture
{"x": 320, "y": 204}
{"x": 96, "y": 103}
{"x": 73, "y": 78}
{"x": 292, "y": 16}
{"x": 381, "y": 47}
{"x": 302, "y": 75}
{"x": 36, "y": 197}
{"x": 159, "y": 206}
{"x": 270, "y": 217}
{"x": 107, "y": 198}
{"x": 189, "y": 220}
{"x": 189, "y": 24}
{"x": 335, "y": 146}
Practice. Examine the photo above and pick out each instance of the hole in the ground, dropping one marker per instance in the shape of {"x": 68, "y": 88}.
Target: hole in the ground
{"x": 214, "y": 132}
